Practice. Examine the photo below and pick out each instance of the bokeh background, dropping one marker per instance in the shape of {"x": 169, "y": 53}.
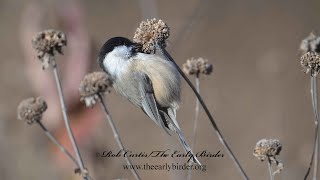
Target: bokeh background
{"x": 257, "y": 89}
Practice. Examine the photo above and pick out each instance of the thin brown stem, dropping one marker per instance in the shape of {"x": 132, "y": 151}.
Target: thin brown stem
{"x": 270, "y": 170}
{"x": 195, "y": 123}
{"x": 196, "y": 118}
{"x": 316, "y": 146}
{"x": 67, "y": 123}
{"x": 314, "y": 156}
{"x": 223, "y": 142}
{"x": 116, "y": 135}
{"x": 60, "y": 146}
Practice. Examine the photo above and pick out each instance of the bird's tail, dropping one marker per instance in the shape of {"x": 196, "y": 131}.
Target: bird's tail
{"x": 187, "y": 147}
{"x": 169, "y": 117}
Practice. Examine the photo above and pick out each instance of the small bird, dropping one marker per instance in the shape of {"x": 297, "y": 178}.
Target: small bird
{"x": 146, "y": 80}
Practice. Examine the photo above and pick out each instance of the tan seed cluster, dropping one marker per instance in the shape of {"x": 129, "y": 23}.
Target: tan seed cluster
{"x": 150, "y": 34}
{"x": 267, "y": 148}
{"x": 310, "y": 62}
{"x": 92, "y": 85}
{"x": 197, "y": 66}
{"x": 30, "y": 110}
{"x": 46, "y": 43}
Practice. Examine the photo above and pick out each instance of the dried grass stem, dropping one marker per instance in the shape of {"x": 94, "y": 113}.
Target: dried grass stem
{"x": 314, "y": 156}
{"x": 270, "y": 169}
{"x": 116, "y": 134}
{"x": 67, "y": 122}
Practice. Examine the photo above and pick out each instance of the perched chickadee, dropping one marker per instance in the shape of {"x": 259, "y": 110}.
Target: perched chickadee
{"x": 146, "y": 80}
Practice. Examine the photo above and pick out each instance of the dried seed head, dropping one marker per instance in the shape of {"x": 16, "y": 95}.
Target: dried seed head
{"x": 267, "y": 148}
{"x": 196, "y": 66}
{"x": 150, "y": 34}
{"x": 310, "y": 62}
{"x": 310, "y": 43}
{"x": 30, "y": 110}
{"x": 92, "y": 85}
{"x": 84, "y": 173}
{"x": 46, "y": 44}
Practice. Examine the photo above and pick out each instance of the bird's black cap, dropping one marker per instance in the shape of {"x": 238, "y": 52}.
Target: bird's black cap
{"x": 111, "y": 44}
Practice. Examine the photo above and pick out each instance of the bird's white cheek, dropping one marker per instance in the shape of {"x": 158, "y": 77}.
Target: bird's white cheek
{"x": 116, "y": 66}
{"x": 111, "y": 66}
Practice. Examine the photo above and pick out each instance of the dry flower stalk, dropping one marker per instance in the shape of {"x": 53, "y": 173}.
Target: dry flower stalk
{"x": 310, "y": 43}
{"x": 197, "y": 66}
{"x": 150, "y": 34}
{"x": 92, "y": 85}
{"x": 30, "y": 110}
{"x": 91, "y": 89}
{"x": 314, "y": 155}
{"x": 310, "y": 62}
{"x": 269, "y": 149}
{"x": 46, "y": 44}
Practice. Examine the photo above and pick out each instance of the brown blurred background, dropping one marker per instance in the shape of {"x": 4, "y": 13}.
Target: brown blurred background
{"x": 257, "y": 89}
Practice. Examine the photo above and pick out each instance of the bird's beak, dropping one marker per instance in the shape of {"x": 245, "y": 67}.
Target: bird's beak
{"x": 137, "y": 47}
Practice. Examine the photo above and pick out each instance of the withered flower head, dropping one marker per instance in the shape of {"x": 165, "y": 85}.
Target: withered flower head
{"x": 46, "y": 44}
{"x": 310, "y": 43}
{"x": 197, "y": 66}
{"x": 92, "y": 85}
{"x": 310, "y": 62}
{"x": 151, "y": 33}
{"x": 30, "y": 110}
{"x": 269, "y": 149}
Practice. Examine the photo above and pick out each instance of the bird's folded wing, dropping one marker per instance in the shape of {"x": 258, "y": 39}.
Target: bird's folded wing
{"x": 148, "y": 102}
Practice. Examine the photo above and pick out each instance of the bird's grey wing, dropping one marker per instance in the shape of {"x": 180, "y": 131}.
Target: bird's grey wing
{"x": 165, "y": 117}
{"x": 148, "y": 102}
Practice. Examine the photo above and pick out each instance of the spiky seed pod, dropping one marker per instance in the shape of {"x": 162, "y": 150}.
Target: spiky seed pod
{"x": 92, "y": 85}
{"x": 46, "y": 43}
{"x": 310, "y": 62}
{"x": 197, "y": 66}
{"x": 150, "y": 34}
{"x": 30, "y": 110}
{"x": 267, "y": 148}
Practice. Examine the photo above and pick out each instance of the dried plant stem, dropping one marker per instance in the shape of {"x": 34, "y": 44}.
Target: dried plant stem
{"x": 270, "y": 170}
{"x": 116, "y": 135}
{"x": 196, "y": 119}
{"x": 54, "y": 140}
{"x": 60, "y": 146}
{"x": 314, "y": 97}
{"x": 316, "y": 149}
{"x": 67, "y": 123}
{"x": 223, "y": 142}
